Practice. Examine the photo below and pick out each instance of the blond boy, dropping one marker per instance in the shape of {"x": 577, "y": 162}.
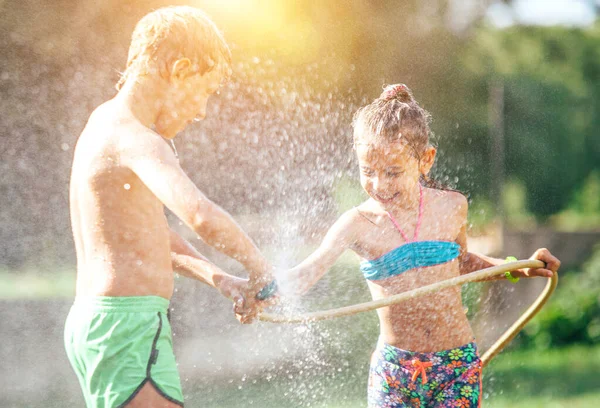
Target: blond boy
{"x": 117, "y": 334}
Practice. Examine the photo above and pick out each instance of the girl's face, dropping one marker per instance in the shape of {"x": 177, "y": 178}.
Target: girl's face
{"x": 389, "y": 172}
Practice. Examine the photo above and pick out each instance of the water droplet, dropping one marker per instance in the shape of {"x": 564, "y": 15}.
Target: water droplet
{"x": 127, "y": 186}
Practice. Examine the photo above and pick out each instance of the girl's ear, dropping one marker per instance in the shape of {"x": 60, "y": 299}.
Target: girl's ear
{"x": 427, "y": 160}
{"x": 181, "y": 68}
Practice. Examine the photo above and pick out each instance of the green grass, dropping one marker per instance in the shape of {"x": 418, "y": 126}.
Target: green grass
{"x": 568, "y": 377}
{"x": 34, "y": 284}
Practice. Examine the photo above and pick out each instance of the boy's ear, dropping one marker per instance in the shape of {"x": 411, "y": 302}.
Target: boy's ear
{"x": 181, "y": 68}
{"x": 427, "y": 160}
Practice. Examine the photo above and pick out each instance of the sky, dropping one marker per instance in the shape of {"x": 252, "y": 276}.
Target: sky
{"x": 578, "y": 13}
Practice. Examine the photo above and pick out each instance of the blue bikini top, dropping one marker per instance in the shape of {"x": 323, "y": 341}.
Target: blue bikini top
{"x": 413, "y": 254}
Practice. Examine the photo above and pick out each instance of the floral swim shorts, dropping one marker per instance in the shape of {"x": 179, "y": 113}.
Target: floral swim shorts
{"x": 401, "y": 378}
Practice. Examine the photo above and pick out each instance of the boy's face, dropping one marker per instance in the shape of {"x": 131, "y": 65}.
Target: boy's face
{"x": 186, "y": 100}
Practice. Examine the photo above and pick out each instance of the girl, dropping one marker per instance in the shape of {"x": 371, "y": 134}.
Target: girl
{"x": 409, "y": 235}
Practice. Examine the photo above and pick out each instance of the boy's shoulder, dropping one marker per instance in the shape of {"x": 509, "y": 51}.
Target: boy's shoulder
{"x": 129, "y": 134}
{"x": 110, "y": 133}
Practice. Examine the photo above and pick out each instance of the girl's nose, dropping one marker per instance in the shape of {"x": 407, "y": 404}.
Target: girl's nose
{"x": 378, "y": 183}
{"x": 374, "y": 182}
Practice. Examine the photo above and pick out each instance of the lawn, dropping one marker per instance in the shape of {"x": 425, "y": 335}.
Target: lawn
{"x": 336, "y": 377}
{"x": 568, "y": 377}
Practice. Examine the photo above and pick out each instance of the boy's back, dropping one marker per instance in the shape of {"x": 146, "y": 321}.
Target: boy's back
{"x": 121, "y": 233}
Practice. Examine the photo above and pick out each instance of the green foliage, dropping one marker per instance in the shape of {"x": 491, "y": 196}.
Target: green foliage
{"x": 573, "y": 313}
{"x": 583, "y": 212}
{"x": 514, "y": 199}
{"x": 551, "y": 80}
{"x": 481, "y": 215}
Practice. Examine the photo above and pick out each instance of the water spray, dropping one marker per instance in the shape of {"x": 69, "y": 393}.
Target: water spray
{"x": 479, "y": 276}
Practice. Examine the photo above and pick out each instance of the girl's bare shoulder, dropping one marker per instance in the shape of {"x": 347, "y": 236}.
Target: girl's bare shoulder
{"x": 449, "y": 201}
{"x": 369, "y": 212}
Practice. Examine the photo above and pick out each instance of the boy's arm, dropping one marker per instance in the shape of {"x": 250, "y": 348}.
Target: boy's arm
{"x": 201, "y": 269}
{"x": 188, "y": 262}
{"x": 301, "y": 278}
{"x": 181, "y": 246}
{"x": 151, "y": 159}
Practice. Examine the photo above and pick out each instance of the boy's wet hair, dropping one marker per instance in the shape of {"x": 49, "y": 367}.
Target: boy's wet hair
{"x": 170, "y": 33}
{"x": 394, "y": 117}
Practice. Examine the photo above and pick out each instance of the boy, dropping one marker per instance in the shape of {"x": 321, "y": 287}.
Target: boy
{"x": 117, "y": 336}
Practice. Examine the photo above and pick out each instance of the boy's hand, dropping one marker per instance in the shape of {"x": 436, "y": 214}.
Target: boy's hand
{"x": 247, "y": 307}
{"x": 232, "y": 287}
{"x": 237, "y": 289}
{"x": 551, "y": 267}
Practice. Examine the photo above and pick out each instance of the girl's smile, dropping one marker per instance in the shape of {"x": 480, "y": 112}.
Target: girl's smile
{"x": 387, "y": 171}
{"x": 386, "y": 200}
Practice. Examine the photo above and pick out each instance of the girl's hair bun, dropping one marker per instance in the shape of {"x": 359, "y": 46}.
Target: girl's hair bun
{"x": 399, "y": 92}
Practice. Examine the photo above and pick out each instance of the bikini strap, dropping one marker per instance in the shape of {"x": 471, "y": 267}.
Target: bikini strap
{"x": 419, "y": 217}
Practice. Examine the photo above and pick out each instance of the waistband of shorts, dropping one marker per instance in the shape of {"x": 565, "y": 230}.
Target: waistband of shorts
{"x": 120, "y": 304}
{"x": 402, "y": 354}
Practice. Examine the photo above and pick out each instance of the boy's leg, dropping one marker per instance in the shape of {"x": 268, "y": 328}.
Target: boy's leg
{"x": 149, "y": 397}
{"x": 121, "y": 348}
{"x": 72, "y": 355}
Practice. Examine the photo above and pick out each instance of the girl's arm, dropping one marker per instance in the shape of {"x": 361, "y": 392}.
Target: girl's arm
{"x": 301, "y": 278}
{"x": 471, "y": 262}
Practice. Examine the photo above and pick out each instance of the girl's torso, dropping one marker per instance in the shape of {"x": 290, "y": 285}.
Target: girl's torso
{"x": 433, "y": 322}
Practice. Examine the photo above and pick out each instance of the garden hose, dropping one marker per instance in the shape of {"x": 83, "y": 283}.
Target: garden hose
{"x": 478, "y": 276}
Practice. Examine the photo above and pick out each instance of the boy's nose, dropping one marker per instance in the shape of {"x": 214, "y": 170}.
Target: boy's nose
{"x": 201, "y": 111}
{"x": 201, "y": 114}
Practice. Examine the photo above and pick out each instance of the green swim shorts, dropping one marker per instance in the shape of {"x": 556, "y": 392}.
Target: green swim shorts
{"x": 119, "y": 344}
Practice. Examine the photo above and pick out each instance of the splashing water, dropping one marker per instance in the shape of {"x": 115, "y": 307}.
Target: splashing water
{"x": 275, "y": 150}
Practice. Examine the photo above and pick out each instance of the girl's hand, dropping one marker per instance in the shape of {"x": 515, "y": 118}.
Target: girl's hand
{"x": 542, "y": 254}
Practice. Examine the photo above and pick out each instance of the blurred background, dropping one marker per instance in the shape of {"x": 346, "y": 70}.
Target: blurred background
{"x": 514, "y": 91}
